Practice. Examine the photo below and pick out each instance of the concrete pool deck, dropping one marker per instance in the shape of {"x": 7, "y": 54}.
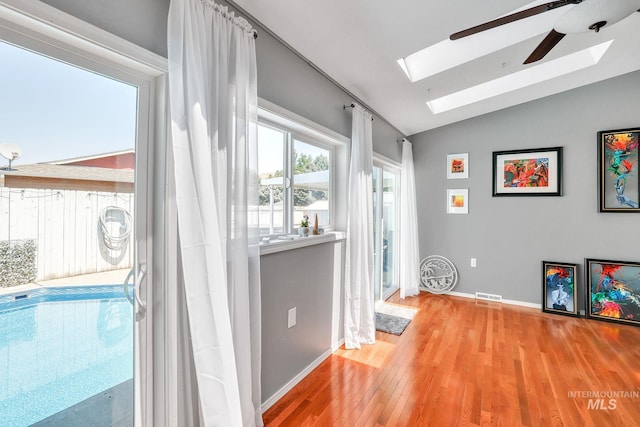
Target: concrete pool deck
{"x": 112, "y": 277}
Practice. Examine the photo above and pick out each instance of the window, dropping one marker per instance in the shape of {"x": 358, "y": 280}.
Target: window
{"x": 271, "y": 145}
{"x": 295, "y": 170}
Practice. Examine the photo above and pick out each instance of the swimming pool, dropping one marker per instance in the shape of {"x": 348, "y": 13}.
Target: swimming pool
{"x": 60, "y": 346}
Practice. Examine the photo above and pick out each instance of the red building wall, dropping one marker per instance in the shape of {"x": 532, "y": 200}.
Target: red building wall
{"x": 118, "y": 161}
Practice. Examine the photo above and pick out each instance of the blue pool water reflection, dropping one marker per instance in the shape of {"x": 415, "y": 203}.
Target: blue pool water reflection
{"x": 60, "y": 346}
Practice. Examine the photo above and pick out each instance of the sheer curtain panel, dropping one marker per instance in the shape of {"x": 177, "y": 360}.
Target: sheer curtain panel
{"x": 359, "y": 315}
{"x": 212, "y": 82}
{"x": 409, "y": 245}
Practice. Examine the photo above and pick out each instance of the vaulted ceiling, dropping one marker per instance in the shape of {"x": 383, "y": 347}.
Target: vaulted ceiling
{"x": 359, "y": 42}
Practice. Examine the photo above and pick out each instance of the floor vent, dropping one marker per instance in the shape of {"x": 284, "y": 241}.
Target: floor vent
{"x": 488, "y": 297}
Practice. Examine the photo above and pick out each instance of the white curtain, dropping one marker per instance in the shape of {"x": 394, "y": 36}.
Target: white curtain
{"x": 409, "y": 244}
{"x": 359, "y": 315}
{"x": 212, "y": 81}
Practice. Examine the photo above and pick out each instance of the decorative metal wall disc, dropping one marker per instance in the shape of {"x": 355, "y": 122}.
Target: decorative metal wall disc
{"x": 437, "y": 274}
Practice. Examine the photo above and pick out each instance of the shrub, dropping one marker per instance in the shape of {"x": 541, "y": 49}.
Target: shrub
{"x": 17, "y": 262}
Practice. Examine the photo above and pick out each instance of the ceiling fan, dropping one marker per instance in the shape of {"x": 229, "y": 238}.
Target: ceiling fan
{"x": 586, "y": 15}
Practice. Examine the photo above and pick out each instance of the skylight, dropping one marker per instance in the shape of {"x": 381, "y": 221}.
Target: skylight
{"x": 548, "y": 70}
{"x": 448, "y": 54}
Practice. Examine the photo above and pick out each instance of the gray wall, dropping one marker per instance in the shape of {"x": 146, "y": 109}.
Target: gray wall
{"x": 309, "y": 279}
{"x": 143, "y": 22}
{"x": 291, "y": 83}
{"x": 510, "y": 236}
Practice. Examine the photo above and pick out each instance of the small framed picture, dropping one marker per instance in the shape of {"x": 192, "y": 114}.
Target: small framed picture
{"x": 613, "y": 291}
{"x": 559, "y": 292}
{"x": 458, "y": 201}
{"x": 458, "y": 166}
{"x": 531, "y": 172}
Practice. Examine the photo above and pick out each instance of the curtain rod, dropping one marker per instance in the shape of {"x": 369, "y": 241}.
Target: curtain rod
{"x": 344, "y": 107}
{"x": 263, "y": 27}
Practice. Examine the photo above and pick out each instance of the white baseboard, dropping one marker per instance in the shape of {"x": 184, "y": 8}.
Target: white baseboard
{"x": 504, "y": 301}
{"x": 462, "y": 294}
{"x": 522, "y": 303}
{"x": 295, "y": 380}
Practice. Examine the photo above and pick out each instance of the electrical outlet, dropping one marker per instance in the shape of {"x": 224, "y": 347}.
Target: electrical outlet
{"x": 473, "y": 262}
{"x": 291, "y": 322}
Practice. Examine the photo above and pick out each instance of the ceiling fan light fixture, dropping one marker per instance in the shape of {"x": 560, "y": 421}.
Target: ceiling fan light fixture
{"x": 594, "y": 14}
{"x": 596, "y": 26}
{"x": 535, "y": 74}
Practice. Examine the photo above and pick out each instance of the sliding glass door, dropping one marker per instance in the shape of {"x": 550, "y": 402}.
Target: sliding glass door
{"x": 76, "y": 171}
{"x": 386, "y": 180}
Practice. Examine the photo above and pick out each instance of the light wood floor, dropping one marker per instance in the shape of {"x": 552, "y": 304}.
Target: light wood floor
{"x": 462, "y": 362}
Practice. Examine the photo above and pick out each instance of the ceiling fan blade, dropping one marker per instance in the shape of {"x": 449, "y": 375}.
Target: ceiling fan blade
{"x": 513, "y": 17}
{"x": 545, "y": 46}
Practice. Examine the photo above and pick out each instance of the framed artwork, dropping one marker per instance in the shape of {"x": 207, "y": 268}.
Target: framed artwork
{"x": 458, "y": 166}
{"x": 559, "y": 291}
{"x": 458, "y": 201}
{"x": 613, "y": 291}
{"x": 618, "y": 175}
{"x": 532, "y": 172}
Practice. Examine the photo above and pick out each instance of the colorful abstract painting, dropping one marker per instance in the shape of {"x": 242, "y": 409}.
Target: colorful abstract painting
{"x": 619, "y": 178}
{"x": 613, "y": 291}
{"x": 531, "y": 172}
{"x": 526, "y": 172}
{"x": 458, "y": 166}
{"x": 559, "y": 294}
{"x": 458, "y": 201}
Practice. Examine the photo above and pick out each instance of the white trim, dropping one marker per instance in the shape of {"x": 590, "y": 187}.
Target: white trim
{"x": 336, "y": 345}
{"x": 294, "y": 381}
{"x": 385, "y": 161}
{"x": 275, "y": 245}
{"x": 276, "y": 114}
{"x": 505, "y": 301}
{"x": 50, "y": 22}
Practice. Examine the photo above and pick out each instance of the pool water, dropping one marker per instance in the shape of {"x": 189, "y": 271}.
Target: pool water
{"x": 60, "y": 346}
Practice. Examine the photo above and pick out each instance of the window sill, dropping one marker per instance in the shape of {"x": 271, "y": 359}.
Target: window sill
{"x": 275, "y": 246}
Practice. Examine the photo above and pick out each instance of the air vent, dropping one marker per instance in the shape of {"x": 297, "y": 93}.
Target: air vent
{"x": 488, "y": 297}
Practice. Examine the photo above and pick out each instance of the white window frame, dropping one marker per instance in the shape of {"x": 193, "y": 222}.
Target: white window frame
{"x": 306, "y": 131}
{"x": 43, "y": 29}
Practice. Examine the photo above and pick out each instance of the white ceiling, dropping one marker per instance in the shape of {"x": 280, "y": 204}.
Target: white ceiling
{"x": 358, "y": 43}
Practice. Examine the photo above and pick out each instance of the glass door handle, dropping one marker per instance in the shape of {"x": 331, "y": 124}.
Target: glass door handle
{"x": 142, "y": 306}
{"x": 125, "y": 285}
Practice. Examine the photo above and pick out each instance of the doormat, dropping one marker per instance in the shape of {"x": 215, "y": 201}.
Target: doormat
{"x": 393, "y": 319}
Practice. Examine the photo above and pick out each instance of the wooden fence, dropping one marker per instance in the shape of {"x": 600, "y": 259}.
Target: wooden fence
{"x": 66, "y": 227}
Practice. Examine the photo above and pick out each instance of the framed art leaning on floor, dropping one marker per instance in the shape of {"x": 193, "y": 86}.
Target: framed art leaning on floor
{"x": 613, "y": 291}
{"x": 559, "y": 292}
